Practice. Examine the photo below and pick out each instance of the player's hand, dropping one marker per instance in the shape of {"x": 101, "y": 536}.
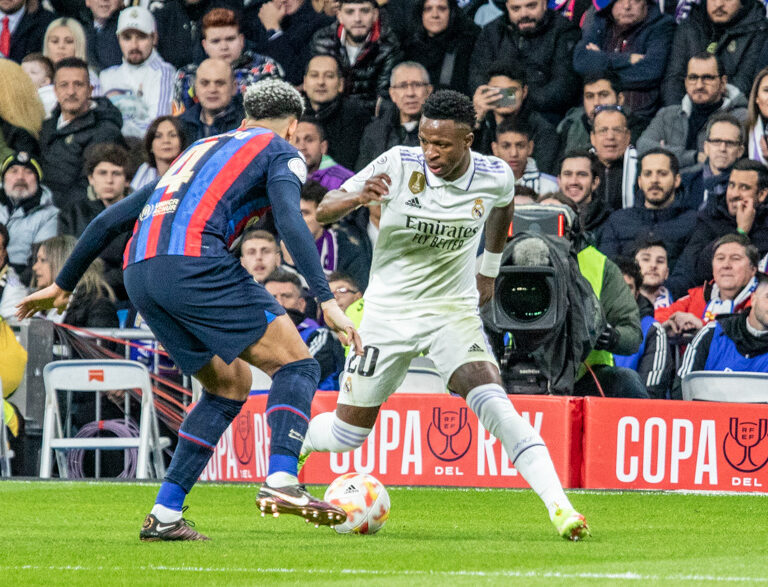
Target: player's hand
{"x": 341, "y": 324}
{"x": 375, "y": 188}
{"x": 41, "y": 301}
{"x": 486, "y": 286}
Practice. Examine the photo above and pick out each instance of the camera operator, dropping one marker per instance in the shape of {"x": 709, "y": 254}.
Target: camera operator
{"x": 594, "y": 371}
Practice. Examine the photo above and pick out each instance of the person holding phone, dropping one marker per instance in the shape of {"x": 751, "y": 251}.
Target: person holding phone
{"x": 504, "y": 97}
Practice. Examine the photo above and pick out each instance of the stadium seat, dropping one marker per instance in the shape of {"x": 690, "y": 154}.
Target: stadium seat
{"x": 726, "y": 386}
{"x": 94, "y": 376}
{"x": 422, "y": 377}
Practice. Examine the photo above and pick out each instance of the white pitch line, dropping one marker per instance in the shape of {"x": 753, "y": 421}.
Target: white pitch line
{"x": 627, "y": 576}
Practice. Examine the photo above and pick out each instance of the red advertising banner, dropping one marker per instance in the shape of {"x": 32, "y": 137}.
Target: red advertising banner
{"x": 417, "y": 440}
{"x": 646, "y": 444}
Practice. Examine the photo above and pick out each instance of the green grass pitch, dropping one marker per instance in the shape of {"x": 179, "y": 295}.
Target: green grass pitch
{"x": 87, "y": 533}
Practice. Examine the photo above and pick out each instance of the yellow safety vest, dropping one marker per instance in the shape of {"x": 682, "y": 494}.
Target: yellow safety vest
{"x": 592, "y": 267}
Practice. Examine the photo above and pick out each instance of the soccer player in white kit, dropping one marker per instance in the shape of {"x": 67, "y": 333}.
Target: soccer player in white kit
{"x": 423, "y": 293}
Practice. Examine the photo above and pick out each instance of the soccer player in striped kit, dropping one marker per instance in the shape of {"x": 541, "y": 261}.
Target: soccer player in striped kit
{"x": 207, "y": 311}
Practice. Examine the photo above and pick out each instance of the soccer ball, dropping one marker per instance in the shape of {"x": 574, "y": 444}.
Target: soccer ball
{"x": 365, "y": 500}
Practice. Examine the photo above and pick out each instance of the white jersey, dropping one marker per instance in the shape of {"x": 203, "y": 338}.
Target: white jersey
{"x": 424, "y": 258}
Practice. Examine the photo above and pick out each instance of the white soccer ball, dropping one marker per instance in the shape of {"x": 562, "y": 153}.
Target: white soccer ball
{"x": 365, "y": 500}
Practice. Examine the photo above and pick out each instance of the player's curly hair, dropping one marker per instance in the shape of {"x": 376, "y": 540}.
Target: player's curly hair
{"x": 450, "y": 105}
{"x": 272, "y": 98}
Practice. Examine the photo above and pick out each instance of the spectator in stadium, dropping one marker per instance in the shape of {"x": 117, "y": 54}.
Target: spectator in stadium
{"x": 630, "y": 38}
{"x": 578, "y": 179}
{"x": 651, "y": 257}
{"x": 443, "y": 43}
{"x": 366, "y": 50}
{"x": 21, "y": 113}
{"x": 91, "y": 306}
{"x": 349, "y": 296}
{"x": 26, "y": 209}
{"x": 603, "y": 90}
{"x": 618, "y": 158}
{"x": 310, "y": 140}
{"x": 219, "y": 108}
{"x": 338, "y": 252}
{"x": 362, "y": 227}
{"x": 409, "y": 88}
{"x": 505, "y": 96}
{"x": 179, "y": 28}
{"x": 741, "y": 210}
{"x": 344, "y": 289}
{"x": 107, "y": 169}
{"x": 659, "y": 214}
{"x": 681, "y": 127}
{"x": 259, "y": 253}
{"x": 77, "y": 122}
{"x": 286, "y": 287}
{"x": 734, "y": 31}
{"x": 723, "y": 146}
{"x": 142, "y": 86}
{"x": 731, "y": 342}
{"x": 514, "y": 144}
{"x": 298, "y": 26}
{"x": 22, "y": 27}
{"x": 101, "y": 33}
{"x": 223, "y": 40}
{"x": 164, "y": 141}
{"x": 734, "y": 264}
{"x": 757, "y": 117}
{"x": 65, "y": 38}
{"x": 541, "y": 42}
{"x": 341, "y": 117}
{"x": 12, "y": 291}
{"x": 40, "y": 70}
{"x": 622, "y": 334}
{"x": 652, "y": 361}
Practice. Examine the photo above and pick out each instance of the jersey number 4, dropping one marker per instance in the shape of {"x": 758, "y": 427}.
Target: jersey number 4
{"x": 365, "y": 365}
{"x": 184, "y": 167}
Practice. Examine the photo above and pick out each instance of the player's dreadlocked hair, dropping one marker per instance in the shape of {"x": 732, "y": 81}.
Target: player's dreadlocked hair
{"x": 450, "y": 105}
{"x": 272, "y": 98}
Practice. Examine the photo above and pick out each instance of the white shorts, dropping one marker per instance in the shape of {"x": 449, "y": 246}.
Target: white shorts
{"x": 450, "y": 340}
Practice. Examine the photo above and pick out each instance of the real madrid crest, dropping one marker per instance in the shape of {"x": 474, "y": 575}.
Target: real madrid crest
{"x": 417, "y": 183}
{"x": 478, "y": 210}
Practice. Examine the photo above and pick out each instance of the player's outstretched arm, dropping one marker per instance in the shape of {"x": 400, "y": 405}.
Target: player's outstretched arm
{"x": 496, "y": 229}
{"x": 99, "y": 233}
{"x": 338, "y": 203}
{"x": 42, "y": 301}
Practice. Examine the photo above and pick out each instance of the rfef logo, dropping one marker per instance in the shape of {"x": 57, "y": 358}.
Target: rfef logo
{"x": 242, "y": 436}
{"x": 448, "y": 435}
{"x": 743, "y": 446}
{"x": 96, "y": 375}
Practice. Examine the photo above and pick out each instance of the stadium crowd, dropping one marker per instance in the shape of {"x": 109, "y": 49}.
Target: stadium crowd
{"x": 646, "y": 119}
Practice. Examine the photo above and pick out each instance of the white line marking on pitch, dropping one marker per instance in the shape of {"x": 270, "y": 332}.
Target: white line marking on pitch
{"x": 628, "y": 576}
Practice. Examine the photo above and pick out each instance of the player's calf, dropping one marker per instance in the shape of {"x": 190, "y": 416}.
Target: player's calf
{"x": 327, "y": 433}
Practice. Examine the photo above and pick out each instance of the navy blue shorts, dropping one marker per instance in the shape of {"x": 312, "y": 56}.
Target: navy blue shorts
{"x": 199, "y": 307}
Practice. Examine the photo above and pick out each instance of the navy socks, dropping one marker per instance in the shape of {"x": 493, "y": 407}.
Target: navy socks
{"x": 288, "y": 412}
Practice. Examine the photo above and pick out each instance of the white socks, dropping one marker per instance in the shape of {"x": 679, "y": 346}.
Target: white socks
{"x": 327, "y": 433}
{"x": 164, "y": 514}
{"x": 522, "y": 443}
{"x": 281, "y": 479}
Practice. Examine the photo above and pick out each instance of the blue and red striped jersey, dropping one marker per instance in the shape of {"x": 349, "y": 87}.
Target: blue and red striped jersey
{"x": 206, "y": 198}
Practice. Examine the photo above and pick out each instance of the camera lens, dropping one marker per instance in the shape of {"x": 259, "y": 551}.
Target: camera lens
{"x": 525, "y": 297}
